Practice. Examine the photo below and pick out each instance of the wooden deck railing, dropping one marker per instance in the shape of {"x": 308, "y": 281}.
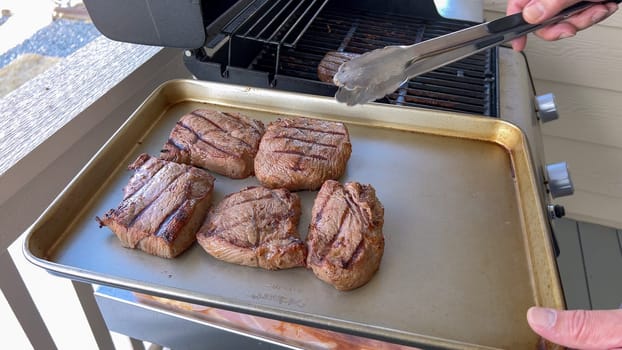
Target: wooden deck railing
{"x": 50, "y": 127}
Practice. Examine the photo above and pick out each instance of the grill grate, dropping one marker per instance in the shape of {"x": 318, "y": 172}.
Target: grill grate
{"x": 278, "y": 22}
{"x": 465, "y": 86}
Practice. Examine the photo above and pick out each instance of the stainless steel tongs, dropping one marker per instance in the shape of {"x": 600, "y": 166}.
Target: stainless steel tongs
{"x": 379, "y": 72}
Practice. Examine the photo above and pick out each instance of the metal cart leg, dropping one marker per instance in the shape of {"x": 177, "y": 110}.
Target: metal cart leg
{"x": 24, "y": 308}
{"x": 93, "y": 315}
{"x": 137, "y": 344}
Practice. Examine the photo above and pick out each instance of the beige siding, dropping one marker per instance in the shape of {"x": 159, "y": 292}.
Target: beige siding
{"x": 585, "y": 75}
{"x": 593, "y": 165}
{"x": 586, "y": 114}
{"x": 592, "y": 59}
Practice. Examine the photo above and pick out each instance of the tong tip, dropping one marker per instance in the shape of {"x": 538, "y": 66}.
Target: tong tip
{"x": 372, "y": 75}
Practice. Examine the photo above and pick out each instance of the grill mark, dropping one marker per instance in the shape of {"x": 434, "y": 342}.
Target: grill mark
{"x": 223, "y": 130}
{"x": 301, "y": 154}
{"x": 355, "y": 211}
{"x": 358, "y": 251}
{"x": 250, "y": 188}
{"x": 161, "y": 231}
{"x": 297, "y": 165}
{"x": 218, "y": 230}
{"x": 131, "y": 223}
{"x": 329, "y": 245}
{"x": 245, "y": 190}
{"x": 262, "y": 218}
{"x": 241, "y": 243}
{"x": 268, "y": 196}
{"x": 177, "y": 212}
{"x": 242, "y": 121}
{"x": 200, "y": 138}
{"x": 177, "y": 145}
{"x": 207, "y": 120}
{"x": 276, "y": 216}
{"x": 242, "y": 141}
{"x": 321, "y": 210}
{"x": 330, "y": 132}
{"x": 313, "y": 142}
{"x": 161, "y": 166}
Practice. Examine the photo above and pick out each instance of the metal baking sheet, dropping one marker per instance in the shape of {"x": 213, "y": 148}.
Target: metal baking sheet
{"x": 467, "y": 243}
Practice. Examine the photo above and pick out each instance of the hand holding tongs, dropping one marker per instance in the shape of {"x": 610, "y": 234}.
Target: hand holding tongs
{"x": 379, "y": 72}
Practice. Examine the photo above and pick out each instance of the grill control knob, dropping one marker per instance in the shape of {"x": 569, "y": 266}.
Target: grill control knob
{"x": 547, "y": 109}
{"x": 556, "y": 211}
{"x": 560, "y": 183}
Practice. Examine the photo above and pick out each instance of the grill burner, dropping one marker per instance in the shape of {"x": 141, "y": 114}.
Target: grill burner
{"x": 285, "y": 54}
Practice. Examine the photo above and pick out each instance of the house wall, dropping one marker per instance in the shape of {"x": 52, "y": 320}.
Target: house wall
{"x": 585, "y": 75}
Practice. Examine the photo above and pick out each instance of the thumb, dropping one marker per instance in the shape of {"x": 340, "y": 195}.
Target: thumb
{"x": 536, "y": 11}
{"x": 579, "y": 329}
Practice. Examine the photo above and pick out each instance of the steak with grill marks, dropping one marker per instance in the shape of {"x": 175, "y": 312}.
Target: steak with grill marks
{"x": 330, "y": 63}
{"x": 225, "y": 143}
{"x": 345, "y": 239}
{"x": 255, "y": 227}
{"x": 302, "y": 153}
{"x": 164, "y": 204}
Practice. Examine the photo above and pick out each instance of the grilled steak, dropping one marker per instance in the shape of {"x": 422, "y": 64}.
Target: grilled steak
{"x": 225, "y": 143}
{"x": 255, "y": 227}
{"x": 302, "y": 153}
{"x": 330, "y": 63}
{"x": 345, "y": 238}
{"x": 163, "y": 205}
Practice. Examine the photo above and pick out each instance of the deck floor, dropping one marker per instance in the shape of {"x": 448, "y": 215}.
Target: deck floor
{"x": 590, "y": 264}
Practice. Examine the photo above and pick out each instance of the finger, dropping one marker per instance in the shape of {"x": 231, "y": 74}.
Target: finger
{"x": 612, "y": 7}
{"x": 579, "y": 329}
{"x": 570, "y": 27}
{"x": 541, "y": 9}
{"x": 513, "y": 7}
{"x": 592, "y": 15}
{"x": 558, "y": 31}
{"x": 516, "y": 6}
{"x": 537, "y": 11}
{"x": 519, "y": 44}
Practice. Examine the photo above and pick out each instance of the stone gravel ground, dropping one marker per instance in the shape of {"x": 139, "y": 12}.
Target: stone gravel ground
{"x": 59, "y": 39}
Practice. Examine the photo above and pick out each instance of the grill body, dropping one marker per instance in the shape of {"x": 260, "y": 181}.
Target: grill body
{"x": 272, "y": 47}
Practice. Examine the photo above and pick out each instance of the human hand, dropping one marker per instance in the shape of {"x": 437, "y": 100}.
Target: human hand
{"x": 536, "y": 11}
{"x": 578, "y": 329}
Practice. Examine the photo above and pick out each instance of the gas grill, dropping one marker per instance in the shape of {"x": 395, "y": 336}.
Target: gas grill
{"x": 280, "y": 44}
{"x": 277, "y": 45}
